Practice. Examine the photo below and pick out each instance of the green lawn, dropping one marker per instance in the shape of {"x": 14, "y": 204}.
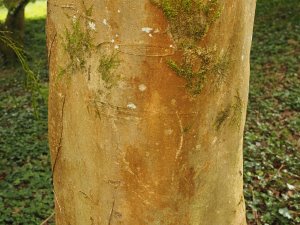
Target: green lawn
{"x": 272, "y": 136}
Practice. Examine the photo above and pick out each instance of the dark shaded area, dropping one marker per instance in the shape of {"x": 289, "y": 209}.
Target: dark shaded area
{"x": 14, "y": 24}
{"x": 25, "y": 176}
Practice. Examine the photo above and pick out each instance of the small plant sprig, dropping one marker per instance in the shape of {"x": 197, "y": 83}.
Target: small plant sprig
{"x": 32, "y": 80}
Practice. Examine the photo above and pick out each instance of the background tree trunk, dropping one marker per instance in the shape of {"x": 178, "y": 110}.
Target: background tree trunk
{"x": 146, "y": 114}
{"x": 15, "y": 24}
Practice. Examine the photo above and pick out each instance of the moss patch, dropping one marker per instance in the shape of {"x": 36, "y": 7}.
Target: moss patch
{"x": 189, "y": 19}
{"x": 77, "y": 45}
{"x": 232, "y": 111}
{"x": 78, "y": 42}
{"x": 222, "y": 117}
{"x": 189, "y": 22}
{"x": 197, "y": 65}
{"x": 107, "y": 65}
{"x": 237, "y": 110}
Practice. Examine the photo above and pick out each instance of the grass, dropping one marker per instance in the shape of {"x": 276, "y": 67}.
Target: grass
{"x": 271, "y": 137}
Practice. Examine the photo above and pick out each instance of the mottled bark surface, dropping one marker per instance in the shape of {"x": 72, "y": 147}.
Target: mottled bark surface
{"x": 130, "y": 144}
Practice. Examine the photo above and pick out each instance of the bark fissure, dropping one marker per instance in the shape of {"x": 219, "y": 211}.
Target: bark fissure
{"x": 179, "y": 150}
{"x": 50, "y": 48}
{"x": 59, "y": 146}
{"x": 111, "y": 213}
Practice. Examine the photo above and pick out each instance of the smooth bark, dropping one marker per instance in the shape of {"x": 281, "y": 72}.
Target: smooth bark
{"x": 130, "y": 144}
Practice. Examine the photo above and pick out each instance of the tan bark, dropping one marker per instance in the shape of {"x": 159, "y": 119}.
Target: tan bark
{"x": 130, "y": 144}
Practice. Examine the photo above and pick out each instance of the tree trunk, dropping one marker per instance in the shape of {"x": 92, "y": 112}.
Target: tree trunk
{"x": 146, "y": 110}
{"x": 15, "y": 25}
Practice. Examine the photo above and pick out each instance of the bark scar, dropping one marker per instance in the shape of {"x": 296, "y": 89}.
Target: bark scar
{"x": 61, "y": 136}
{"x": 50, "y": 48}
{"x": 111, "y": 212}
{"x": 181, "y": 137}
{"x": 56, "y": 199}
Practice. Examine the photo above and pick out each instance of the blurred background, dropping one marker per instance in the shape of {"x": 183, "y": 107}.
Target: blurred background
{"x": 272, "y": 135}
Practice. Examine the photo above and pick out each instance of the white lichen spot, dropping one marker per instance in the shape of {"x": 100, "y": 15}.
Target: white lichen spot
{"x": 117, "y": 47}
{"x": 74, "y": 19}
{"x": 215, "y": 140}
{"x": 150, "y": 35}
{"x": 168, "y": 132}
{"x": 131, "y": 106}
{"x": 112, "y": 40}
{"x": 123, "y": 85}
{"x": 198, "y": 147}
{"x": 156, "y": 31}
{"x": 171, "y": 46}
{"x": 117, "y": 35}
{"x": 119, "y": 11}
{"x": 147, "y": 29}
{"x": 173, "y": 102}
{"x": 91, "y": 25}
{"x": 105, "y": 22}
{"x": 243, "y": 57}
{"x": 142, "y": 87}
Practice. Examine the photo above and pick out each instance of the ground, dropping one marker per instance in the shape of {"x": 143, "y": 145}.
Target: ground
{"x": 272, "y": 136}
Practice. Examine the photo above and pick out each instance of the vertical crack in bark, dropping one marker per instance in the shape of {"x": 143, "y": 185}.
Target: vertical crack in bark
{"x": 178, "y": 152}
{"x": 87, "y": 197}
{"x": 111, "y": 212}
{"x": 55, "y": 196}
{"x": 50, "y": 47}
{"x": 61, "y": 136}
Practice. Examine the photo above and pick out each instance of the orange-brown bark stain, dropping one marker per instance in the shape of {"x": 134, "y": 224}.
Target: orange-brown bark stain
{"x": 159, "y": 179}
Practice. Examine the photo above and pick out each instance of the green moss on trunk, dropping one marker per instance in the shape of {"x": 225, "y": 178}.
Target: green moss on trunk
{"x": 189, "y": 22}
